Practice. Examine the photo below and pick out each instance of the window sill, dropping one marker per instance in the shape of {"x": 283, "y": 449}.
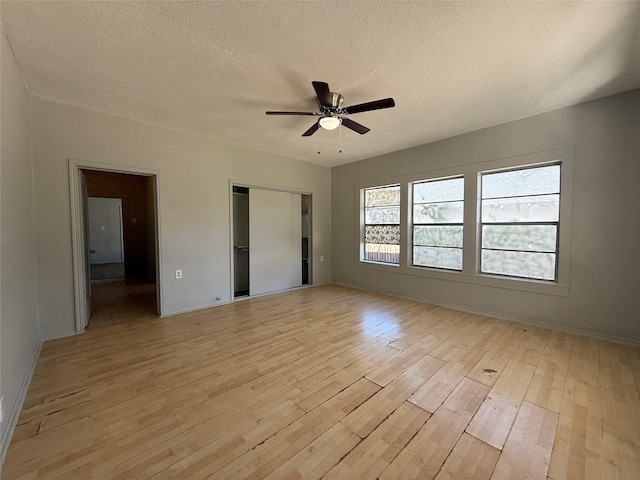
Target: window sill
{"x": 523, "y": 285}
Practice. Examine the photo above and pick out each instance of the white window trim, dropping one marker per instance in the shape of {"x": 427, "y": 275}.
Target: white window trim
{"x": 471, "y": 236}
{"x": 361, "y": 223}
{"x": 411, "y": 226}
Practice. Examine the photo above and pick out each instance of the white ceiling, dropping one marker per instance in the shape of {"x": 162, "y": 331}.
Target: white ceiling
{"x": 213, "y": 68}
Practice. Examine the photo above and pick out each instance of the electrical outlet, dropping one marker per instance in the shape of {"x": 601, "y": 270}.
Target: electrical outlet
{"x": 178, "y": 274}
{"x": 322, "y": 258}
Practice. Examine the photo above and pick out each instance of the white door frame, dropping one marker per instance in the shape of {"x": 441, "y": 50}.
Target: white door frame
{"x": 80, "y": 274}
{"x": 240, "y": 183}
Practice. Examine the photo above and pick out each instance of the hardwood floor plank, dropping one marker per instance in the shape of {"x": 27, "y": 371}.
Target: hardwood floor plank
{"x": 527, "y": 451}
{"x": 388, "y": 371}
{"x": 319, "y": 456}
{"x": 309, "y": 377}
{"x": 426, "y": 452}
{"x": 621, "y": 458}
{"x": 471, "y": 459}
{"x": 620, "y": 401}
{"x": 226, "y": 440}
{"x": 324, "y": 390}
{"x": 493, "y": 421}
{"x": 548, "y": 380}
{"x": 363, "y": 420}
{"x": 436, "y": 390}
{"x": 584, "y": 363}
{"x": 269, "y": 455}
{"x": 502, "y": 350}
{"x": 577, "y": 449}
{"x": 379, "y": 449}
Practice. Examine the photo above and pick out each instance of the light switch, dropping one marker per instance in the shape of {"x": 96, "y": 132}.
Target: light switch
{"x": 101, "y": 227}
{"x": 133, "y": 220}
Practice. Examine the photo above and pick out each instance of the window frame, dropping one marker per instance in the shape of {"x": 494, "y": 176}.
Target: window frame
{"x": 555, "y": 223}
{"x": 413, "y": 224}
{"x": 471, "y": 221}
{"x": 365, "y": 224}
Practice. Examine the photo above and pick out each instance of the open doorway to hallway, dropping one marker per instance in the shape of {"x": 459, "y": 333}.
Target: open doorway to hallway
{"x": 120, "y": 231}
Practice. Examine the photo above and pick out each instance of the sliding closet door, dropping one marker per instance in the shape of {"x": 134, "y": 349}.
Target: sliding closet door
{"x": 274, "y": 241}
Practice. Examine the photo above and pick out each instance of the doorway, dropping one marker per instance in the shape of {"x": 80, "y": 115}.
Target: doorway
{"x": 114, "y": 217}
{"x": 271, "y": 240}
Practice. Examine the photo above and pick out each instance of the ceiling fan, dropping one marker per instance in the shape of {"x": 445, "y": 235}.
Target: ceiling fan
{"x": 331, "y": 106}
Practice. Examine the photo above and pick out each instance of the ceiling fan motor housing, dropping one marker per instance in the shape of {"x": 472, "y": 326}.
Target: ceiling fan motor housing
{"x": 336, "y": 104}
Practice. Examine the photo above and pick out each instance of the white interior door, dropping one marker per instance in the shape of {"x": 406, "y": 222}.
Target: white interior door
{"x": 275, "y": 241}
{"x": 105, "y": 230}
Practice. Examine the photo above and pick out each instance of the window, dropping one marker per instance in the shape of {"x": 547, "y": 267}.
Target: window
{"x": 438, "y": 210}
{"x": 520, "y": 214}
{"x": 498, "y": 223}
{"x": 382, "y": 224}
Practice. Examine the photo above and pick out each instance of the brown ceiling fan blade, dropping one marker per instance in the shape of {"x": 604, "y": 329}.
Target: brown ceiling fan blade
{"x": 323, "y": 93}
{"x": 366, "y": 107}
{"x": 313, "y": 114}
{"x": 312, "y": 130}
{"x": 355, "y": 126}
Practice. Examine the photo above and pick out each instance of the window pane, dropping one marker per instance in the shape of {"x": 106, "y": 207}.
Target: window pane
{"x": 382, "y": 215}
{"x": 438, "y": 191}
{"x": 382, "y": 234}
{"x": 544, "y": 208}
{"x": 382, "y": 196}
{"x": 530, "y": 181}
{"x": 438, "y": 236}
{"x": 532, "y": 238}
{"x": 382, "y": 253}
{"x": 451, "y": 212}
{"x": 449, "y": 258}
{"x": 519, "y": 264}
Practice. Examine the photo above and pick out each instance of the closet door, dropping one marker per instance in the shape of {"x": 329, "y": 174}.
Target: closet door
{"x": 275, "y": 237}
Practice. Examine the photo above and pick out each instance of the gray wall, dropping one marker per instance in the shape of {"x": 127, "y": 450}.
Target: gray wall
{"x": 604, "y": 294}
{"x": 194, "y": 205}
{"x": 19, "y": 335}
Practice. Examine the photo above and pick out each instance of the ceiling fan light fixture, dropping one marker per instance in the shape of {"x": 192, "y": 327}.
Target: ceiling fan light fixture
{"x": 330, "y": 123}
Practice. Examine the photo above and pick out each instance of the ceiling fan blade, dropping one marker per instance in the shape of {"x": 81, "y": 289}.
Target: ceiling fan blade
{"x": 313, "y": 114}
{"x": 312, "y": 130}
{"x": 323, "y": 93}
{"x": 365, "y": 107}
{"x": 355, "y": 126}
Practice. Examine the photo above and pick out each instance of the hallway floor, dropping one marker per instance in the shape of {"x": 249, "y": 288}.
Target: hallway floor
{"x": 120, "y": 301}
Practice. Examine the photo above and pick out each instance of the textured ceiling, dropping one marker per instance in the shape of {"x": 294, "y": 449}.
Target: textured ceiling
{"x": 213, "y": 68}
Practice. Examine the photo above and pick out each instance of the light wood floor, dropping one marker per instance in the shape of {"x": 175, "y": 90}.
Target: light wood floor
{"x": 329, "y": 382}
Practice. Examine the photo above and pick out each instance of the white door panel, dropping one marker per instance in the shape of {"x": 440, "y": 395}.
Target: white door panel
{"x": 272, "y": 248}
{"x": 105, "y": 230}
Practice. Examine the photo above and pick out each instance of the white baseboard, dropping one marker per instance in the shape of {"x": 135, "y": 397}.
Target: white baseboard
{"x": 60, "y": 335}
{"x": 12, "y": 416}
{"x": 219, "y": 304}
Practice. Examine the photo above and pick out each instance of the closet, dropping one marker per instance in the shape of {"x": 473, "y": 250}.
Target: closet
{"x": 271, "y": 240}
